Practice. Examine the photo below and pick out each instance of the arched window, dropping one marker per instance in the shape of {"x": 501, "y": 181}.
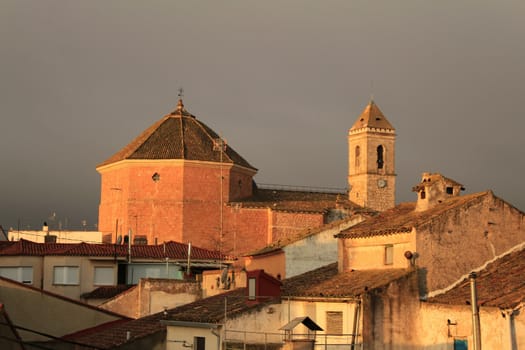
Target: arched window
{"x": 380, "y": 159}
{"x": 357, "y": 156}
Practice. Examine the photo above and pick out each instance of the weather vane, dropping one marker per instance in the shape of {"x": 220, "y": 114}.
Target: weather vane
{"x": 181, "y": 93}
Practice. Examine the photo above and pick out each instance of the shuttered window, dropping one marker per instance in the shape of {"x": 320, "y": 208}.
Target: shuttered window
{"x": 22, "y": 274}
{"x": 104, "y": 276}
{"x": 334, "y": 322}
{"x": 66, "y": 275}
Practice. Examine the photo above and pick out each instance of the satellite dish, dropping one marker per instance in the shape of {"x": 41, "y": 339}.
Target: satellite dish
{"x": 119, "y": 239}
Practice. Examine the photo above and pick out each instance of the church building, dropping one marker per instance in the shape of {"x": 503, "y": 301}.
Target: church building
{"x": 180, "y": 181}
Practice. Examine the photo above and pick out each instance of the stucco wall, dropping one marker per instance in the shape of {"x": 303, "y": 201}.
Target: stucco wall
{"x": 316, "y": 250}
{"x": 273, "y": 263}
{"x": 437, "y": 333}
{"x": 369, "y": 252}
{"x": 177, "y": 336}
{"x": 390, "y": 315}
{"x": 153, "y": 295}
{"x": 86, "y": 274}
{"x": 46, "y": 313}
{"x": 462, "y": 239}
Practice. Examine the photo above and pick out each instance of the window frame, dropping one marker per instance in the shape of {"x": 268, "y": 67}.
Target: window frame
{"x": 98, "y": 283}
{"x": 19, "y": 270}
{"x": 67, "y": 271}
{"x": 333, "y": 317}
{"x": 389, "y": 254}
{"x": 252, "y": 288}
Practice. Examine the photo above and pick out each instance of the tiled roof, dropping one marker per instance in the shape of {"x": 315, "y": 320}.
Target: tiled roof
{"x": 327, "y": 282}
{"x": 296, "y": 201}
{"x": 178, "y": 135}
{"x": 208, "y": 310}
{"x": 372, "y": 117}
{"x": 403, "y": 218}
{"x": 107, "y": 292}
{"x": 500, "y": 284}
{"x": 323, "y": 282}
{"x": 172, "y": 250}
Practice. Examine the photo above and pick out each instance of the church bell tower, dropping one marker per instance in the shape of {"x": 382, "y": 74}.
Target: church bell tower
{"x": 371, "y": 166}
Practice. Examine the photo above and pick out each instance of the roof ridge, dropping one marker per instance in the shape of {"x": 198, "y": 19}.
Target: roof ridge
{"x": 131, "y": 147}
{"x": 223, "y": 141}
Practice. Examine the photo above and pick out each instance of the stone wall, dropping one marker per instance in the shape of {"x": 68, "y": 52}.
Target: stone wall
{"x": 152, "y": 295}
{"x": 463, "y": 239}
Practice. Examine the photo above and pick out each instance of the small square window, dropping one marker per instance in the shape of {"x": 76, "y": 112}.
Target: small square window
{"x": 450, "y": 190}
{"x": 389, "y": 254}
{"x": 334, "y": 322}
{"x": 251, "y": 288}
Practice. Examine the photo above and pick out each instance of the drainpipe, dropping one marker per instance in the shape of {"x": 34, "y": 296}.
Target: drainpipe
{"x": 476, "y": 332}
{"x": 129, "y": 246}
{"x": 357, "y": 311}
{"x": 218, "y": 335}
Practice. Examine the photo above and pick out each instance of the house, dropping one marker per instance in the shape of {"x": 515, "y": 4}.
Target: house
{"x": 179, "y": 180}
{"x": 302, "y": 252}
{"x": 76, "y": 270}
{"x": 445, "y": 235}
{"x": 149, "y": 296}
{"x": 500, "y": 290}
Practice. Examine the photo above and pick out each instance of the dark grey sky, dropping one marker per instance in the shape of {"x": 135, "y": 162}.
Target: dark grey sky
{"x": 282, "y": 81}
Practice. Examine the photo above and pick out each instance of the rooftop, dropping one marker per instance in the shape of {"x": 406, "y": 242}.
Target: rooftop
{"x": 500, "y": 284}
{"x": 296, "y": 201}
{"x": 172, "y": 250}
{"x": 403, "y": 217}
{"x": 327, "y": 282}
{"x": 324, "y": 282}
{"x": 178, "y": 135}
{"x": 372, "y": 118}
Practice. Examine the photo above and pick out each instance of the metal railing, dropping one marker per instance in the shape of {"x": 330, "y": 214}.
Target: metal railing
{"x": 249, "y": 340}
{"x": 301, "y": 188}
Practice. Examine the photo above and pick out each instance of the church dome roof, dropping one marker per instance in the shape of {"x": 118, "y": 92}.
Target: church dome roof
{"x": 178, "y": 135}
{"x": 372, "y": 117}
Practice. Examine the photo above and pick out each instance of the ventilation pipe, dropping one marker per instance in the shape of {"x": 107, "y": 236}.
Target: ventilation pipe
{"x": 476, "y": 332}
{"x": 355, "y": 331}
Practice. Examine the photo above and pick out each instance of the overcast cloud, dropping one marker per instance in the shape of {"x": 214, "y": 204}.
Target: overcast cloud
{"x": 282, "y": 81}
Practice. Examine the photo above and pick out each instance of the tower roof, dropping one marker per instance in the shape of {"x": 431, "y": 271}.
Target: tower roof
{"x": 178, "y": 135}
{"x": 372, "y": 117}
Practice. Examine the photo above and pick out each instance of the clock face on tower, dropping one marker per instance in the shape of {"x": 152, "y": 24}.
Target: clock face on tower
{"x": 381, "y": 183}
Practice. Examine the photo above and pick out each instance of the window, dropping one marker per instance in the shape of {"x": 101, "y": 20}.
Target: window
{"x": 66, "y": 275}
{"x": 450, "y": 190}
{"x": 460, "y": 344}
{"x": 389, "y": 254}
{"x": 199, "y": 343}
{"x": 104, "y": 276}
{"x": 334, "y": 322}
{"x": 380, "y": 160}
{"x": 423, "y": 195}
{"x": 251, "y": 288}
{"x": 357, "y": 156}
{"x": 22, "y": 274}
